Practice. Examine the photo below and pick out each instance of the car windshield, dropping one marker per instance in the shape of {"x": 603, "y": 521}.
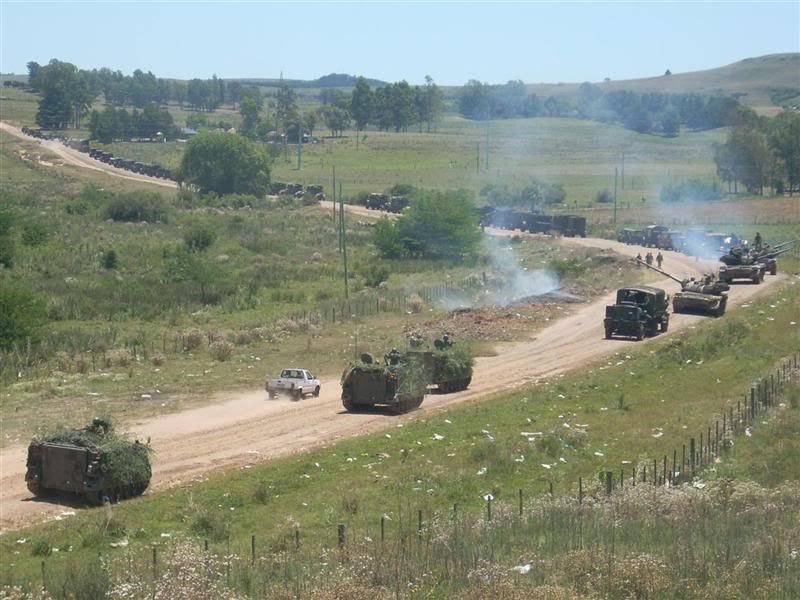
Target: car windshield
{"x": 291, "y": 374}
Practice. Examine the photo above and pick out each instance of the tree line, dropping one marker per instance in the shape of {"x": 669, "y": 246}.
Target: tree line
{"x": 649, "y": 112}
{"x": 118, "y": 124}
{"x": 762, "y": 153}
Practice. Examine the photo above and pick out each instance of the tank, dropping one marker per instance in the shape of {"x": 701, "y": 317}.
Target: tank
{"x": 93, "y": 463}
{"x": 399, "y": 383}
{"x": 708, "y": 295}
{"x": 753, "y": 272}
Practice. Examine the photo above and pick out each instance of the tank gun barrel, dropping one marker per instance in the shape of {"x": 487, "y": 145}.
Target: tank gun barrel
{"x": 773, "y": 252}
{"x": 657, "y": 270}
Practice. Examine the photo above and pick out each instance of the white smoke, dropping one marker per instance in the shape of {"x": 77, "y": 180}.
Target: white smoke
{"x": 505, "y": 281}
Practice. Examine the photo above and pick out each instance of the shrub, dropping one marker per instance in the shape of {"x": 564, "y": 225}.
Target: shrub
{"x": 199, "y": 237}
{"x": 118, "y": 357}
{"x": 221, "y": 350}
{"x": 81, "y": 363}
{"x": 158, "y": 360}
{"x": 22, "y": 313}
{"x": 261, "y": 492}
{"x": 193, "y": 340}
{"x": 110, "y": 260}
{"x": 374, "y": 275}
{"x": 41, "y": 548}
{"x": 604, "y": 197}
{"x": 34, "y": 233}
{"x": 137, "y": 207}
{"x": 210, "y": 525}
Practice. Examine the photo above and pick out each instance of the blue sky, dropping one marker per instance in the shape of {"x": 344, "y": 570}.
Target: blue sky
{"x": 452, "y": 42}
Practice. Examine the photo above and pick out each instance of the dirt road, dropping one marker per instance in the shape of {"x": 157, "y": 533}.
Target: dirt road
{"x": 79, "y": 159}
{"x": 243, "y": 428}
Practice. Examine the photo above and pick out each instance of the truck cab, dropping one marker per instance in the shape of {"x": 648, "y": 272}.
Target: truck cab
{"x": 638, "y": 311}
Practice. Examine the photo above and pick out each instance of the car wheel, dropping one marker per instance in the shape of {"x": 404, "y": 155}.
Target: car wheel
{"x": 316, "y": 392}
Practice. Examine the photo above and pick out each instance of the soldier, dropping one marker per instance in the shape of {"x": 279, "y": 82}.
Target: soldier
{"x": 393, "y": 358}
{"x": 639, "y": 260}
{"x": 659, "y": 259}
{"x": 758, "y": 241}
{"x": 649, "y": 259}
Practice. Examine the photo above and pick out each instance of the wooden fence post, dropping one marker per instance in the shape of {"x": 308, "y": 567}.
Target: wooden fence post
{"x": 419, "y": 525}
{"x": 580, "y": 491}
{"x": 383, "y": 528}
{"x": 253, "y": 549}
{"x": 340, "y": 534}
{"x": 609, "y": 482}
{"x": 520, "y": 502}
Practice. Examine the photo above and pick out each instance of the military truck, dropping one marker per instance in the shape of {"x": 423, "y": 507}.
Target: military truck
{"x": 93, "y": 463}
{"x": 398, "y": 384}
{"x": 638, "y": 311}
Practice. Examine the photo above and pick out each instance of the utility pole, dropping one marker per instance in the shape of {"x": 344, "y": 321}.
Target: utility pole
{"x": 616, "y": 173}
{"x": 487, "y": 139}
{"x": 623, "y": 170}
{"x": 333, "y": 193}
{"x": 299, "y": 146}
{"x": 478, "y": 159}
{"x": 344, "y": 242}
{"x": 340, "y": 227}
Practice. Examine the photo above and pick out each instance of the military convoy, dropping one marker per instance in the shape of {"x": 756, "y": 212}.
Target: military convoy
{"x": 638, "y": 312}
{"x": 401, "y": 381}
{"x": 752, "y": 263}
{"x": 312, "y": 193}
{"x": 92, "y": 463}
{"x": 386, "y": 203}
{"x": 695, "y": 242}
{"x": 506, "y": 218}
{"x": 151, "y": 170}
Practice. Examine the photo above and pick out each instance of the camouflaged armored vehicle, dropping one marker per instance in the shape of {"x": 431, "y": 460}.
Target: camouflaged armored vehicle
{"x": 638, "y": 311}
{"x": 399, "y": 383}
{"x": 448, "y": 366}
{"x": 93, "y": 463}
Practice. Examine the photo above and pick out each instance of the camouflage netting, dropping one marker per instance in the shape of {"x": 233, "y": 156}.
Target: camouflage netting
{"x": 453, "y": 363}
{"x": 122, "y": 462}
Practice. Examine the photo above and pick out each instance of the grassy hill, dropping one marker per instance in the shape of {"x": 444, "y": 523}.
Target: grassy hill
{"x": 763, "y": 82}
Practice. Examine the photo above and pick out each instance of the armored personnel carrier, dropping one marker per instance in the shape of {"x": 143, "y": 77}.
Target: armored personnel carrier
{"x": 706, "y": 296}
{"x": 638, "y": 311}
{"x": 448, "y": 366}
{"x": 93, "y": 463}
{"x": 399, "y": 383}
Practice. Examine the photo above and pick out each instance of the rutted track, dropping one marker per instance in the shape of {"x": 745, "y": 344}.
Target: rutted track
{"x": 239, "y": 428}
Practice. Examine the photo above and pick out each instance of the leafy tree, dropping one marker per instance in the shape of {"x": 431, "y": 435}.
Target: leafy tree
{"x": 22, "y": 313}
{"x": 438, "y": 225}
{"x": 361, "y": 104}
{"x": 285, "y": 105}
{"x": 234, "y": 93}
{"x": 431, "y": 104}
{"x": 181, "y": 264}
{"x": 225, "y": 163}
{"x": 402, "y": 105}
{"x": 670, "y": 122}
{"x": 249, "y": 111}
{"x": 336, "y": 119}
{"x": 65, "y": 94}
{"x": 784, "y": 140}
